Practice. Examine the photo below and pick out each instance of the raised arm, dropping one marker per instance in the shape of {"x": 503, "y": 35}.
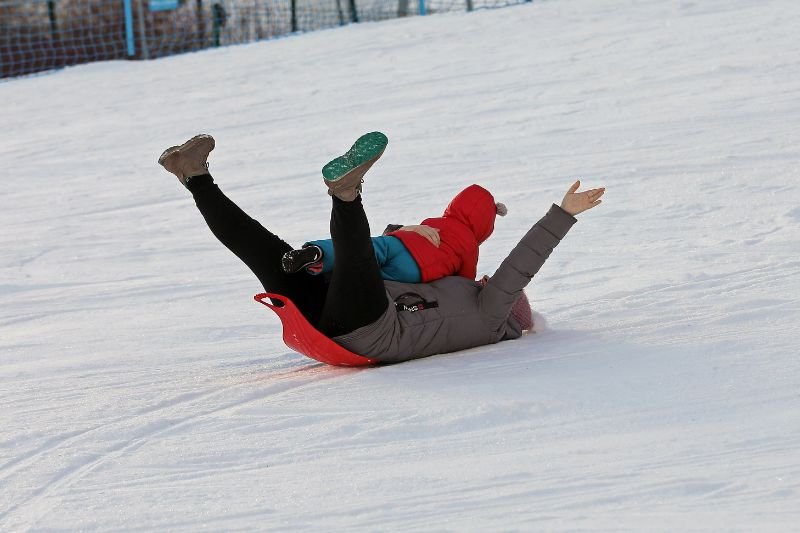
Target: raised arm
{"x": 528, "y": 256}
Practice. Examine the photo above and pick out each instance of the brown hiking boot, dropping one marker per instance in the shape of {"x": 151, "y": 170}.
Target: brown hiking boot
{"x": 189, "y": 159}
{"x": 344, "y": 175}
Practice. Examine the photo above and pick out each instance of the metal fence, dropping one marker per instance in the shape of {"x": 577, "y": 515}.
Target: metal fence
{"x": 37, "y": 35}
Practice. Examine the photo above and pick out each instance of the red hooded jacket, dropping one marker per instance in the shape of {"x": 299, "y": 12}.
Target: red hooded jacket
{"x": 465, "y": 224}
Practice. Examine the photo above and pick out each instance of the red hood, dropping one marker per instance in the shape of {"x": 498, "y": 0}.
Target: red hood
{"x": 475, "y": 208}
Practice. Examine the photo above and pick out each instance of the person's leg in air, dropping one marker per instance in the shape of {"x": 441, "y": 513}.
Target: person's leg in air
{"x": 251, "y": 242}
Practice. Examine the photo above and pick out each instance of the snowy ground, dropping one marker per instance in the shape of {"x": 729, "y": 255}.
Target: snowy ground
{"x": 141, "y": 388}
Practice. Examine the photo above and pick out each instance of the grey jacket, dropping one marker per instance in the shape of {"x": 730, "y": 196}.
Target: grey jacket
{"x": 455, "y": 313}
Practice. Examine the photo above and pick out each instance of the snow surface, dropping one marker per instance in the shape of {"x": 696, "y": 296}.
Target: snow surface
{"x": 141, "y": 388}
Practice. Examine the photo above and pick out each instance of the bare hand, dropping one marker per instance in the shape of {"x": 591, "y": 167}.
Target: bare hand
{"x": 432, "y": 234}
{"x": 578, "y": 202}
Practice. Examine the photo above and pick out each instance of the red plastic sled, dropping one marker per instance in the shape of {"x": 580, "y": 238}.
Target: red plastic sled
{"x": 302, "y": 337}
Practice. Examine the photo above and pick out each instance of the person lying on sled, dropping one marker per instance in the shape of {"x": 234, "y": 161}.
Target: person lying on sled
{"x": 387, "y": 321}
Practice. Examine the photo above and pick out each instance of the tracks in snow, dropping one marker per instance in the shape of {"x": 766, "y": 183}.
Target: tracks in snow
{"x": 64, "y": 460}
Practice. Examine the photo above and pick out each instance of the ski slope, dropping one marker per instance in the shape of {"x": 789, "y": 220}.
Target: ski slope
{"x": 142, "y": 389}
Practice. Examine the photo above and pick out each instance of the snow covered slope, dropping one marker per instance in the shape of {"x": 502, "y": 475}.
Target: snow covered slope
{"x": 141, "y": 388}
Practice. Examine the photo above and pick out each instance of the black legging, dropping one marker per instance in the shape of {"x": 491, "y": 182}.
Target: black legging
{"x": 355, "y": 294}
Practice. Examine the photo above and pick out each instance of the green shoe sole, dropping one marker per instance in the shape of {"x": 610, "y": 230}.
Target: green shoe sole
{"x": 367, "y": 148}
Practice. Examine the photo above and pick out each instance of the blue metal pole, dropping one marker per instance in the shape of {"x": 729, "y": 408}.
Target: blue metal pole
{"x": 422, "y": 10}
{"x": 129, "y": 27}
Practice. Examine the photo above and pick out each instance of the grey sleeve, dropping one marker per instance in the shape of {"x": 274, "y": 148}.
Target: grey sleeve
{"x": 524, "y": 261}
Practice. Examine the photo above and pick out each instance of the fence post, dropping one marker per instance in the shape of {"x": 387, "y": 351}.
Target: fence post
{"x": 51, "y": 14}
{"x": 470, "y": 7}
{"x": 131, "y": 41}
{"x": 353, "y": 11}
{"x": 422, "y": 10}
{"x": 142, "y": 32}
{"x": 218, "y": 19}
{"x": 341, "y": 13}
{"x": 294, "y": 16}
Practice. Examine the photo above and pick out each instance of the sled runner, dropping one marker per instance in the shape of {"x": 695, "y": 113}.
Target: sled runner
{"x": 302, "y": 337}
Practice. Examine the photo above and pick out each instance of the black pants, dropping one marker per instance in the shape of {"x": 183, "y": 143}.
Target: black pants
{"x": 353, "y": 297}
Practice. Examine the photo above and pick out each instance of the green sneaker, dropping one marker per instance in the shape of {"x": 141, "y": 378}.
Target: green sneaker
{"x": 344, "y": 175}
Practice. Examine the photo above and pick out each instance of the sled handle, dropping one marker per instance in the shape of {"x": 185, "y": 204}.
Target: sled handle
{"x": 262, "y": 299}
